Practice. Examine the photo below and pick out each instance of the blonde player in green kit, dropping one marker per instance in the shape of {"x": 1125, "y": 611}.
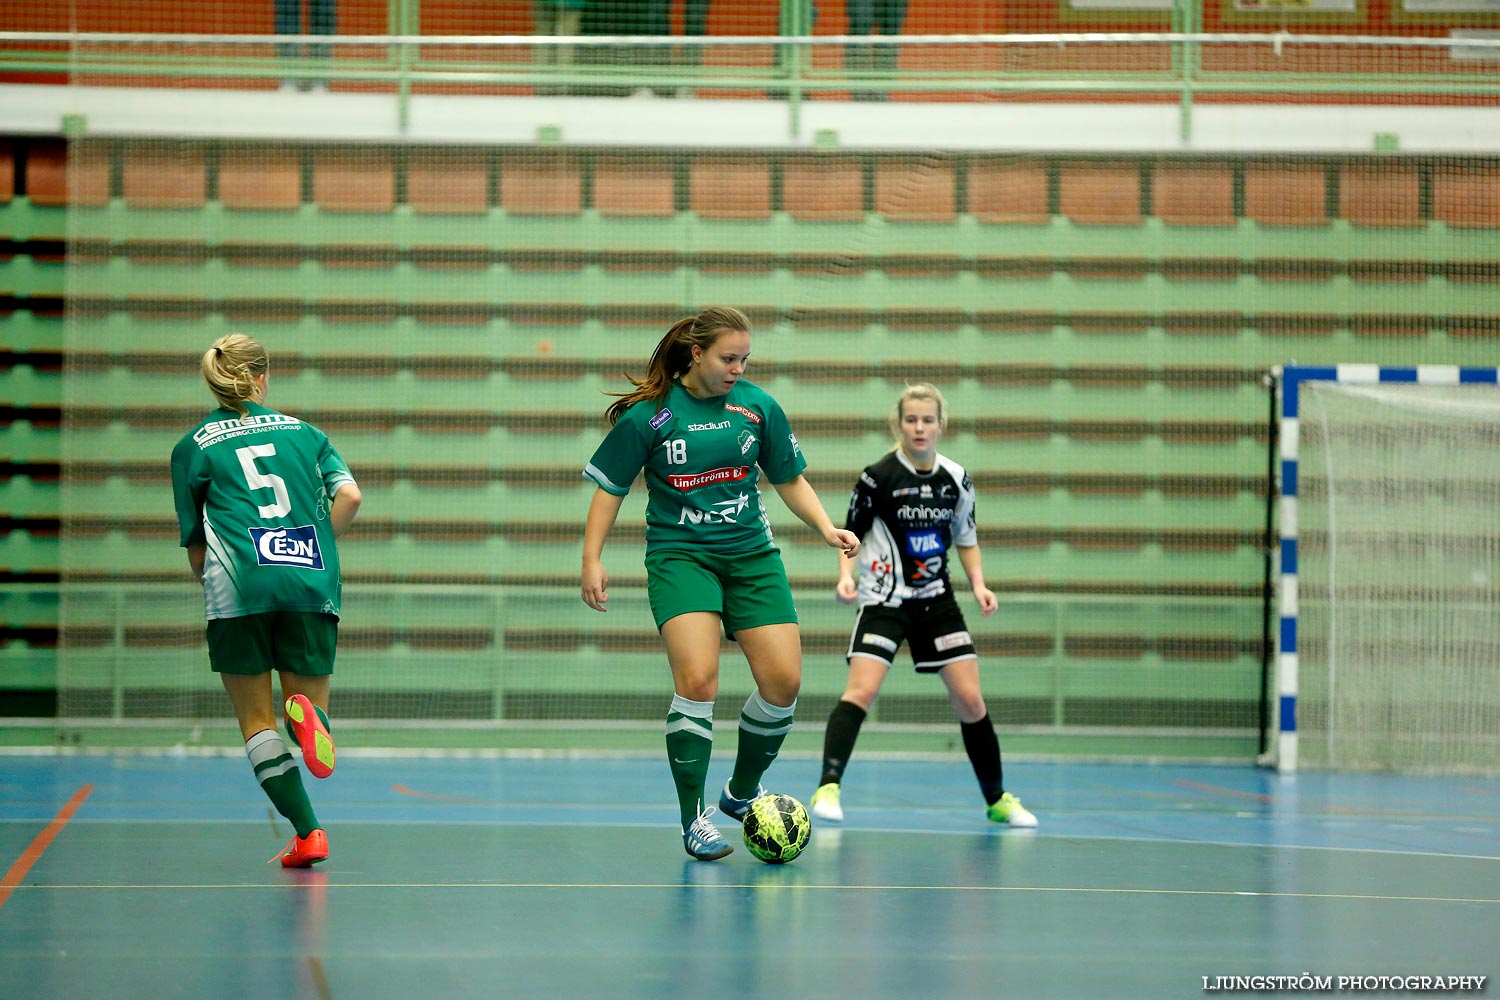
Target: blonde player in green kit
{"x": 704, "y": 435}
{"x": 260, "y": 498}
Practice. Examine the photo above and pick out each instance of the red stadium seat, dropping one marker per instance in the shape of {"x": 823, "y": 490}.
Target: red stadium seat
{"x": 165, "y": 177}
{"x": 52, "y": 180}
{"x": 824, "y": 188}
{"x": 260, "y": 178}
{"x": 448, "y": 182}
{"x": 354, "y": 180}
{"x": 1466, "y": 196}
{"x": 541, "y": 182}
{"x": 730, "y": 186}
{"x": 1386, "y": 195}
{"x": 916, "y": 190}
{"x": 640, "y": 186}
{"x": 1009, "y": 190}
{"x": 1193, "y": 194}
{"x": 1105, "y": 194}
{"x": 1295, "y": 195}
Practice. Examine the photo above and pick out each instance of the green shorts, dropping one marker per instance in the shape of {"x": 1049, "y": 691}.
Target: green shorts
{"x": 746, "y": 591}
{"x": 302, "y": 642}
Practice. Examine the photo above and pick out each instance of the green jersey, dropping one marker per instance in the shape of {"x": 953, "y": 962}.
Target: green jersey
{"x": 703, "y": 459}
{"x": 256, "y": 492}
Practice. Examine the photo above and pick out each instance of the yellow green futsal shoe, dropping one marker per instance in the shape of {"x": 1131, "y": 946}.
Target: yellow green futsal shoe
{"x": 825, "y": 803}
{"x": 1008, "y": 809}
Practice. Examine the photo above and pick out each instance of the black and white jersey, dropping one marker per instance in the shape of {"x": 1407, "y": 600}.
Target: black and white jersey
{"x": 906, "y": 521}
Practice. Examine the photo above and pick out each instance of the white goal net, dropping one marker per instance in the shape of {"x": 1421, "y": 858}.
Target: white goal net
{"x": 1399, "y": 577}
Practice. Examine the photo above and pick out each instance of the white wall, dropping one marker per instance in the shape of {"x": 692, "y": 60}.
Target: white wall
{"x": 1078, "y": 127}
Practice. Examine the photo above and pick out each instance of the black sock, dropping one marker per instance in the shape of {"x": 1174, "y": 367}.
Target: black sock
{"x": 838, "y": 740}
{"x": 984, "y": 753}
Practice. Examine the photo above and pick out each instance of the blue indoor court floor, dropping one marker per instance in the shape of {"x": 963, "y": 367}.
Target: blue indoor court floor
{"x": 145, "y": 877}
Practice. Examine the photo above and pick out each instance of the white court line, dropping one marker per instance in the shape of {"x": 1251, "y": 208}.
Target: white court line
{"x": 1019, "y": 834}
{"x": 800, "y": 887}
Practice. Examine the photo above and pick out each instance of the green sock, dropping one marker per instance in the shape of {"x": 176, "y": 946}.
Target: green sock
{"x": 281, "y": 780}
{"x": 292, "y": 733}
{"x": 690, "y": 742}
{"x": 763, "y": 728}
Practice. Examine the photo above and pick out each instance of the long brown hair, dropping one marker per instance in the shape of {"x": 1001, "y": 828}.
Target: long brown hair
{"x": 230, "y": 367}
{"x": 674, "y": 355}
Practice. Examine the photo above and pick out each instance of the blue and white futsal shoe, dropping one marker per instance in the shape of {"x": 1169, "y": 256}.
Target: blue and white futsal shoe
{"x": 735, "y": 808}
{"x": 703, "y": 841}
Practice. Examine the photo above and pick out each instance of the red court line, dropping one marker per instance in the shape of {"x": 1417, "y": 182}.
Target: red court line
{"x": 434, "y": 796}
{"x": 30, "y": 856}
{"x": 319, "y": 978}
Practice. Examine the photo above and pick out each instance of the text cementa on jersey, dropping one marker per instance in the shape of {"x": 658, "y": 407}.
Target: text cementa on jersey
{"x": 219, "y": 430}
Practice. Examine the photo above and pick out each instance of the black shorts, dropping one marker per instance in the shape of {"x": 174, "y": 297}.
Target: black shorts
{"x": 934, "y": 632}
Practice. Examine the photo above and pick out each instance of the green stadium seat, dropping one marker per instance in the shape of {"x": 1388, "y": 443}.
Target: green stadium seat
{"x": 22, "y": 551}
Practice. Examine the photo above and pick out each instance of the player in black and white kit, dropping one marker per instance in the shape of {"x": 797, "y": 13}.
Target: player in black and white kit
{"x": 909, "y": 509}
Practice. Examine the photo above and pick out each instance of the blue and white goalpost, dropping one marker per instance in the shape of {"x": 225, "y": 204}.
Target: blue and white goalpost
{"x": 1386, "y": 616}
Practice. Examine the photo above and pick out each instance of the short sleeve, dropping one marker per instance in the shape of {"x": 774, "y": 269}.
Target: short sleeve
{"x": 621, "y": 455}
{"x": 965, "y": 531}
{"x": 332, "y": 467}
{"x": 780, "y": 455}
{"x": 187, "y": 493}
{"x": 861, "y": 505}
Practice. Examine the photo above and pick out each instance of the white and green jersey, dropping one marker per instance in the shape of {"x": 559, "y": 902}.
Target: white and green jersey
{"x": 256, "y": 492}
{"x": 703, "y": 459}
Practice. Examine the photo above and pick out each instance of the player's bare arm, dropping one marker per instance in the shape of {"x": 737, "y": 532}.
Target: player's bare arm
{"x": 345, "y": 505}
{"x": 968, "y": 555}
{"x": 847, "y": 587}
{"x": 603, "y": 510}
{"x": 802, "y": 500}
{"x": 196, "y": 554}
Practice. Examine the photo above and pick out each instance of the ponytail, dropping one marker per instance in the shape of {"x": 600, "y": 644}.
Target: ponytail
{"x": 674, "y": 356}
{"x": 230, "y": 367}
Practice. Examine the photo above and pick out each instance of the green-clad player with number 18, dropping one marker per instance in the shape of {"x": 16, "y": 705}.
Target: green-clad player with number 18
{"x": 260, "y": 498}
{"x": 704, "y": 436}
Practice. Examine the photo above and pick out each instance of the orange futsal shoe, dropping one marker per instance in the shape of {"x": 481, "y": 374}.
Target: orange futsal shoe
{"x": 304, "y": 852}
{"x": 312, "y": 735}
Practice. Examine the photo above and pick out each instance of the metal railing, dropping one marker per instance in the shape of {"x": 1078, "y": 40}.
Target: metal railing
{"x": 107, "y": 664}
{"x": 1180, "y": 65}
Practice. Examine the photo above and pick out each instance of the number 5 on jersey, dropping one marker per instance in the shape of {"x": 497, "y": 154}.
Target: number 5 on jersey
{"x": 258, "y": 480}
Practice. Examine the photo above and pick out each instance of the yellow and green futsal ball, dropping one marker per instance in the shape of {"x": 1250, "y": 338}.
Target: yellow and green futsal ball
{"x": 776, "y": 828}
